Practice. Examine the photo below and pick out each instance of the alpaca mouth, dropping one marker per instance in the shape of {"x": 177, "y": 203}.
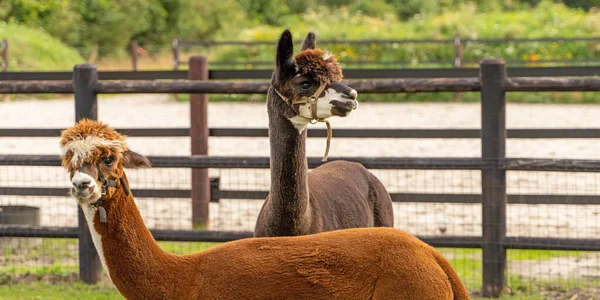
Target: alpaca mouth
{"x": 86, "y": 196}
{"x": 343, "y": 108}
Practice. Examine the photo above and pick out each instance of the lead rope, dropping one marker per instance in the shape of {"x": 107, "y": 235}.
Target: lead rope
{"x": 329, "y": 134}
{"x": 312, "y": 100}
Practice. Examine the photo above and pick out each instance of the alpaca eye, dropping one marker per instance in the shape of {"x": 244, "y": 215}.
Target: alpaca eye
{"x": 305, "y": 85}
{"x": 108, "y": 161}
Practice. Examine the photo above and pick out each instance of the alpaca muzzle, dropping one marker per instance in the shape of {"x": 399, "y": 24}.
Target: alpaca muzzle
{"x": 84, "y": 187}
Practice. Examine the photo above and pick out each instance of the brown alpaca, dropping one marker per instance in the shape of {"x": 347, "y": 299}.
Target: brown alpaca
{"x": 365, "y": 263}
{"x": 336, "y": 195}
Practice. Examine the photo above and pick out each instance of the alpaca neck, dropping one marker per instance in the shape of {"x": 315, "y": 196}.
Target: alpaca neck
{"x": 289, "y": 196}
{"x": 126, "y": 247}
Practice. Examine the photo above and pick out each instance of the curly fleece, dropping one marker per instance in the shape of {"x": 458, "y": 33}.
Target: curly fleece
{"x": 319, "y": 63}
{"x": 90, "y": 140}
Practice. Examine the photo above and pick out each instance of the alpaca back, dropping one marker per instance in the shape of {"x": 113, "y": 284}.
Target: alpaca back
{"x": 361, "y": 263}
{"x": 346, "y": 195}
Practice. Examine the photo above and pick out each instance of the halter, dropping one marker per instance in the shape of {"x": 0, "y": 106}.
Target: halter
{"x": 106, "y": 183}
{"x": 312, "y": 100}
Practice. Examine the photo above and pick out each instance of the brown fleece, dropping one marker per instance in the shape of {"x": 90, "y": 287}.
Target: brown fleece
{"x": 90, "y": 128}
{"x": 368, "y": 263}
{"x": 87, "y": 127}
{"x": 459, "y": 290}
{"x": 311, "y": 61}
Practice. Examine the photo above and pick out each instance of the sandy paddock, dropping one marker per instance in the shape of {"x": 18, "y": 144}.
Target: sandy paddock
{"x": 422, "y": 219}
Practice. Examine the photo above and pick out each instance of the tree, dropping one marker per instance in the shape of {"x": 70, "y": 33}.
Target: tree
{"x": 265, "y": 11}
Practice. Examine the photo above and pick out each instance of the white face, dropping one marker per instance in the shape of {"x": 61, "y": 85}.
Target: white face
{"x": 333, "y": 103}
{"x": 329, "y": 105}
{"x": 84, "y": 187}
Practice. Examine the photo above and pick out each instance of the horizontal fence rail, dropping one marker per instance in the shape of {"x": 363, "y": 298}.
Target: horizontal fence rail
{"x": 217, "y": 194}
{"x": 458, "y": 43}
{"x": 161, "y": 235}
{"x": 375, "y": 133}
{"x": 354, "y": 64}
{"x": 225, "y": 236}
{"x": 361, "y": 86}
{"x": 549, "y": 84}
{"x": 348, "y": 74}
{"x": 380, "y": 163}
{"x": 396, "y": 41}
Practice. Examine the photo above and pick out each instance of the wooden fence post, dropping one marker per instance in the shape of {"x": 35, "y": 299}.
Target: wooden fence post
{"x": 493, "y": 177}
{"x": 458, "y": 59}
{"x": 200, "y": 193}
{"x": 4, "y": 54}
{"x": 175, "y": 49}
{"x": 4, "y": 62}
{"x": 86, "y": 106}
{"x": 458, "y": 52}
{"x": 134, "y": 55}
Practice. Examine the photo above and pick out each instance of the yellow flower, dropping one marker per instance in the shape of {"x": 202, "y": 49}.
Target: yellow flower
{"x": 534, "y": 57}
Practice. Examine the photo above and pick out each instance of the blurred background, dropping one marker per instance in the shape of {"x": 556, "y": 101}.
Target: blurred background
{"x": 405, "y": 38}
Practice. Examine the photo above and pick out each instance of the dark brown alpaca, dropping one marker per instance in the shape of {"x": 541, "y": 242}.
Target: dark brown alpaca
{"x": 336, "y": 195}
{"x": 364, "y": 263}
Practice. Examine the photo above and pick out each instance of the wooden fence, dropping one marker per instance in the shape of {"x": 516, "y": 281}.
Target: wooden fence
{"x": 457, "y": 43}
{"x": 431, "y": 73}
{"x": 492, "y": 82}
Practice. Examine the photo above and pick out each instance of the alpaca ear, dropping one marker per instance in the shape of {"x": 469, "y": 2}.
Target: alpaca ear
{"x": 285, "y": 50}
{"x": 310, "y": 42}
{"x": 134, "y": 160}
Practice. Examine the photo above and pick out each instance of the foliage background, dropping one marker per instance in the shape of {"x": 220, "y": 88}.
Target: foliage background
{"x": 107, "y": 27}
{"x": 57, "y": 34}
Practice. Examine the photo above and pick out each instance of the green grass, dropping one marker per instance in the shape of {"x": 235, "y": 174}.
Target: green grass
{"x": 468, "y": 264}
{"x": 35, "y": 50}
{"x": 57, "y": 269}
{"x": 64, "y": 291}
{"x": 43, "y": 290}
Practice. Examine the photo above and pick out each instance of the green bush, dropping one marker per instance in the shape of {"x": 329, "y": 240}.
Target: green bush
{"x": 265, "y": 11}
{"x": 84, "y": 24}
{"x": 545, "y": 20}
{"x": 108, "y": 26}
{"x": 54, "y": 16}
{"x": 375, "y": 8}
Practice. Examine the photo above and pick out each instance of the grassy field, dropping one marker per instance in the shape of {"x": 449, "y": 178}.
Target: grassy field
{"x": 50, "y": 272}
{"x": 104, "y": 291}
{"x": 33, "y": 49}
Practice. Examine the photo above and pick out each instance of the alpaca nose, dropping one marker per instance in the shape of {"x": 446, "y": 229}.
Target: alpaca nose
{"x": 354, "y": 104}
{"x": 81, "y": 181}
{"x": 80, "y": 185}
{"x": 353, "y": 94}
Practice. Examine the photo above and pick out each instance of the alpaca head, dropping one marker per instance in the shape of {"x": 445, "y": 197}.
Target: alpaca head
{"x": 95, "y": 154}
{"x": 312, "y": 72}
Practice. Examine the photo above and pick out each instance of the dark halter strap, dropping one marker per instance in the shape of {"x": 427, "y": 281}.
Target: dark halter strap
{"x": 106, "y": 183}
{"x": 312, "y": 100}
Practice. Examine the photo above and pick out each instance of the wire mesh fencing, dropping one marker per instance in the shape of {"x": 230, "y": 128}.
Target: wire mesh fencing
{"x": 555, "y": 207}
